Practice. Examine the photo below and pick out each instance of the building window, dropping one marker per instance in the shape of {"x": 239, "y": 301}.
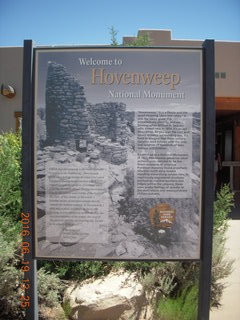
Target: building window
{"x": 220, "y": 75}
{"x": 18, "y": 117}
{"x": 223, "y": 75}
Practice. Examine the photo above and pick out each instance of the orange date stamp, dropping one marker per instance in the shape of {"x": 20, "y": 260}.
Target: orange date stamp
{"x": 25, "y": 285}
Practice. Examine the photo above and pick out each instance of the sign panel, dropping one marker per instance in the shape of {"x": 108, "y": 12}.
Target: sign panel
{"x": 118, "y": 153}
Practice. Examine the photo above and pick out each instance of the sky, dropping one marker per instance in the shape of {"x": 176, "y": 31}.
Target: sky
{"x": 68, "y": 22}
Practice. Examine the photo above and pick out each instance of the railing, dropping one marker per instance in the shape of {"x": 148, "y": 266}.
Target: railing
{"x": 231, "y": 164}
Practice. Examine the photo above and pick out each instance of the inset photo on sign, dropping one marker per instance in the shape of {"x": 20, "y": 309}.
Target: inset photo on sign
{"x": 118, "y": 153}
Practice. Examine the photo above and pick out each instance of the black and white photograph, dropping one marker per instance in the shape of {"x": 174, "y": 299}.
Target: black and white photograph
{"x": 118, "y": 153}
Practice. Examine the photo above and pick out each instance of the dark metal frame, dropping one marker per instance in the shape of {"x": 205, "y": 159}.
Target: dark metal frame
{"x": 207, "y": 179}
{"x": 28, "y": 176}
{"x": 202, "y": 126}
{"x": 208, "y": 145}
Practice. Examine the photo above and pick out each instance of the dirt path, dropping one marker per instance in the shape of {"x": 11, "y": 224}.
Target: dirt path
{"x": 230, "y": 309}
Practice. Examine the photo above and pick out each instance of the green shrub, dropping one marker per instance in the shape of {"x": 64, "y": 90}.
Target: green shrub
{"x": 49, "y": 288}
{"x": 221, "y": 268}
{"x": 77, "y": 270}
{"x": 183, "y": 307}
{"x": 221, "y": 264}
{"x": 10, "y": 274}
{"x": 141, "y": 41}
{"x": 222, "y": 207}
{"x": 10, "y": 208}
{"x": 67, "y": 308}
{"x": 141, "y": 268}
{"x": 10, "y": 175}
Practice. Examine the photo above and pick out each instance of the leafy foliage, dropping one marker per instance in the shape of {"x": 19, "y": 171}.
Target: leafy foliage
{"x": 141, "y": 268}
{"x": 221, "y": 268}
{"x": 221, "y": 265}
{"x": 10, "y": 208}
{"x": 183, "y": 307}
{"x": 49, "y": 288}
{"x": 113, "y": 33}
{"x": 77, "y": 270}
{"x": 222, "y": 207}
{"x": 141, "y": 41}
{"x": 10, "y": 274}
{"x": 10, "y": 175}
{"x": 67, "y": 308}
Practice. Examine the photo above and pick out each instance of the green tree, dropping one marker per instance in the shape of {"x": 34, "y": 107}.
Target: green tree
{"x": 113, "y": 33}
{"x": 141, "y": 41}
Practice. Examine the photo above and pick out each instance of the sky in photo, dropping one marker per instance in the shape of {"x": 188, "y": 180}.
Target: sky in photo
{"x": 56, "y": 22}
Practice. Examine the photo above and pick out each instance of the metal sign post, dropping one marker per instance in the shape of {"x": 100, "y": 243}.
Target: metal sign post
{"x": 29, "y": 300}
{"x": 208, "y": 181}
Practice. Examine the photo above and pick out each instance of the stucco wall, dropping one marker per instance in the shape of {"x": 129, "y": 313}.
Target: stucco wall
{"x": 11, "y": 61}
{"x": 227, "y": 60}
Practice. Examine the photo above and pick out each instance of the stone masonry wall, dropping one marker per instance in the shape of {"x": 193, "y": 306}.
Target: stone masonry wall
{"x": 69, "y": 117}
{"x": 108, "y": 119}
{"x": 110, "y": 151}
{"x": 66, "y": 113}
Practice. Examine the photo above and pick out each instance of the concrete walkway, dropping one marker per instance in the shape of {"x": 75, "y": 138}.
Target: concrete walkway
{"x": 230, "y": 309}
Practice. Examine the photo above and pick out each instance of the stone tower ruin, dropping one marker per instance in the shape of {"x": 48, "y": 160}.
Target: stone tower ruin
{"x": 70, "y": 119}
{"x": 66, "y": 112}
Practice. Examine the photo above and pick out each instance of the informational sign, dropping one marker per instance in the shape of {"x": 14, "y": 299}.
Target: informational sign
{"x": 118, "y": 153}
